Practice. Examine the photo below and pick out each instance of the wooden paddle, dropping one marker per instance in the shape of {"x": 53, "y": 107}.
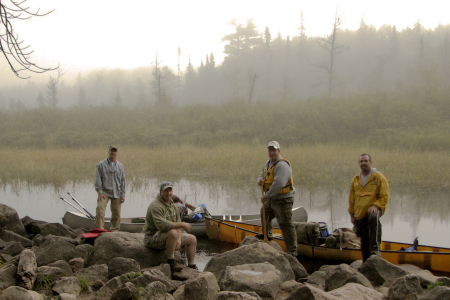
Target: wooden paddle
{"x": 266, "y": 240}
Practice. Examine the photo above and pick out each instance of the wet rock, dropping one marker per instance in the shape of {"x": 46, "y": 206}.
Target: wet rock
{"x": 227, "y": 295}
{"x": 343, "y": 274}
{"x": 63, "y": 265}
{"x": 9, "y": 220}
{"x": 69, "y": 285}
{"x": 380, "y": 271}
{"x": 309, "y": 292}
{"x": 123, "y": 244}
{"x": 354, "y": 291}
{"x": 261, "y": 278}
{"x": 436, "y": 293}
{"x": 51, "y": 250}
{"x": 405, "y": 288}
{"x": 250, "y": 254}
{"x": 8, "y": 275}
{"x": 27, "y": 269}
{"x": 124, "y": 292}
{"x": 76, "y": 264}
{"x": 202, "y": 287}
{"x": 121, "y": 265}
{"x": 13, "y": 248}
{"x": 94, "y": 272}
{"x": 19, "y": 293}
{"x": 10, "y": 236}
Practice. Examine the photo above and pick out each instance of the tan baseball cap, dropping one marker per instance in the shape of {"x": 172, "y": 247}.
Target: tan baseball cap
{"x": 274, "y": 144}
{"x": 113, "y": 147}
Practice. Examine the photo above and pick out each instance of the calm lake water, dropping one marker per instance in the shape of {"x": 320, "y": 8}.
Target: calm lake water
{"x": 417, "y": 213}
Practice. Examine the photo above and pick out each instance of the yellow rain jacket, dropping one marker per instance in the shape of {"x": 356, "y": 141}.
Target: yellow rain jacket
{"x": 375, "y": 192}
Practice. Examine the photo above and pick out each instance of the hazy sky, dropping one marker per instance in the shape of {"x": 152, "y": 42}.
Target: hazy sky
{"x": 90, "y": 34}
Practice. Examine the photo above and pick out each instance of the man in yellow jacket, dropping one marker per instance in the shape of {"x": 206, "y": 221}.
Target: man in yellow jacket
{"x": 369, "y": 196}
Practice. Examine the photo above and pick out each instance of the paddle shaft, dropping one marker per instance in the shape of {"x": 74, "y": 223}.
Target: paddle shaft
{"x": 266, "y": 240}
{"x": 76, "y": 208}
{"x": 90, "y": 215}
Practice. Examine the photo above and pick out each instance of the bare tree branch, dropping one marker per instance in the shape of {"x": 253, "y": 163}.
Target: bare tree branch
{"x": 13, "y": 49}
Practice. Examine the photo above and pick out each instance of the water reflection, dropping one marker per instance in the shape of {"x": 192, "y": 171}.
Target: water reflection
{"x": 417, "y": 213}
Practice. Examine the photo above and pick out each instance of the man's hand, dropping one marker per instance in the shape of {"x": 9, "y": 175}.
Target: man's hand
{"x": 373, "y": 209}
{"x": 187, "y": 226}
{"x": 100, "y": 197}
{"x": 122, "y": 199}
{"x": 261, "y": 181}
{"x": 263, "y": 199}
{"x": 178, "y": 245}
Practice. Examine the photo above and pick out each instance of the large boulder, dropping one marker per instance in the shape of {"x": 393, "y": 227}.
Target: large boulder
{"x": 405, "y": 288}
{"x": 436, "y": 293}
{"x": 148, "y": 277}
{"x": 124, "y": 244}
{"x": 93, "y": 273}
{"x": 425, "y": 276}
{"x": 63, "y": 265}
{"x": 46, "y": 276}
{"x": 10, "y": 236}
{"x": 157, "y": 291}
{"x": 202, "y": 287}
{"x": 69, "y": 285}
{"x": 309, "y": 292}
{"x": 317, "y": 279}
{"x": 9, "y": 220}
{"x": 51, "y": 250}
{"x": 57, "y": 229}
{"x": 27, "y": 269}
{"x": 13, "y": 248}
{"x": 106, "y": 291}
{"x": 227, "y": 295}
{"x": 18, "y": 293}
{"x": 343, "y": 274}
{"x": 353, "y": 291}
{"x": 121, "y": 265}
{"x": 250, "y": 254}
{"x": 124, "y": 292}
{"x": 380, "y": 272}
{"x": 8, "y": 275}
{"x": 261, "y": 278}
{"x": 77, "y": 252}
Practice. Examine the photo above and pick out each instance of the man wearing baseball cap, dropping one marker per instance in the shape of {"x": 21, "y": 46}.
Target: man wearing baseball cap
{"x": 110, "y": 184}
{"x": 165, "y": 230}
{"x": 277, "y": 182}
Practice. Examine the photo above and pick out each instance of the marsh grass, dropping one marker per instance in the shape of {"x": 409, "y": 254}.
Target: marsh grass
{"x": 85, "y": 283}
{"x": 44, "y": 283}
{"x": 314, "y": 165}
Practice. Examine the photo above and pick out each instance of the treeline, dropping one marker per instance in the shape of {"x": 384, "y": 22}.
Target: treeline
{"x": 415, "y": 118}
{"x": 262, "y": 67}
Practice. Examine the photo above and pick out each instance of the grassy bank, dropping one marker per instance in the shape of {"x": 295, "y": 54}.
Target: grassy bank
{"x": 314, "y": 165}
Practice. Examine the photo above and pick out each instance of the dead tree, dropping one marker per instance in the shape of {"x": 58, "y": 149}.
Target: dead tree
{"x": 13, "y": 49}
{"x": 52, "y": 90}
{"x": 329, "y": 44}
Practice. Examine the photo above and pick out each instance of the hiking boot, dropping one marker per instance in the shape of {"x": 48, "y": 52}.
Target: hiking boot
{"x": 194, "y": 266}
{"x": 261, "y": 237}
{"x": 174, "y": 266}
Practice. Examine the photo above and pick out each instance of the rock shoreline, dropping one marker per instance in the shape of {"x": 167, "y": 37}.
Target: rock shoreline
{"x": 41, "y": 260}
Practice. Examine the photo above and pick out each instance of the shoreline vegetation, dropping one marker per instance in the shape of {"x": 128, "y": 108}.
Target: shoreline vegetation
{"x": 228, "y": 164}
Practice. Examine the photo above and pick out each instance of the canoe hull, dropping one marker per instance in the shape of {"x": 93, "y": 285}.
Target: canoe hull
{"x": 76, "y": 220}
{"x": 431, "y": 258}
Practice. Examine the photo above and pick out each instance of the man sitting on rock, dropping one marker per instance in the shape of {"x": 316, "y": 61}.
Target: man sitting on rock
{"x": 165, "y": 230}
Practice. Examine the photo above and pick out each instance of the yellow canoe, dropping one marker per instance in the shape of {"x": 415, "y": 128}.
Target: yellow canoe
{"x": 435, "y": 259}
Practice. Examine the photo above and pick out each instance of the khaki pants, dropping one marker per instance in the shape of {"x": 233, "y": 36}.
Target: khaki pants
{"x": 282, "y": 210}
{"x": 115, "y": 213}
